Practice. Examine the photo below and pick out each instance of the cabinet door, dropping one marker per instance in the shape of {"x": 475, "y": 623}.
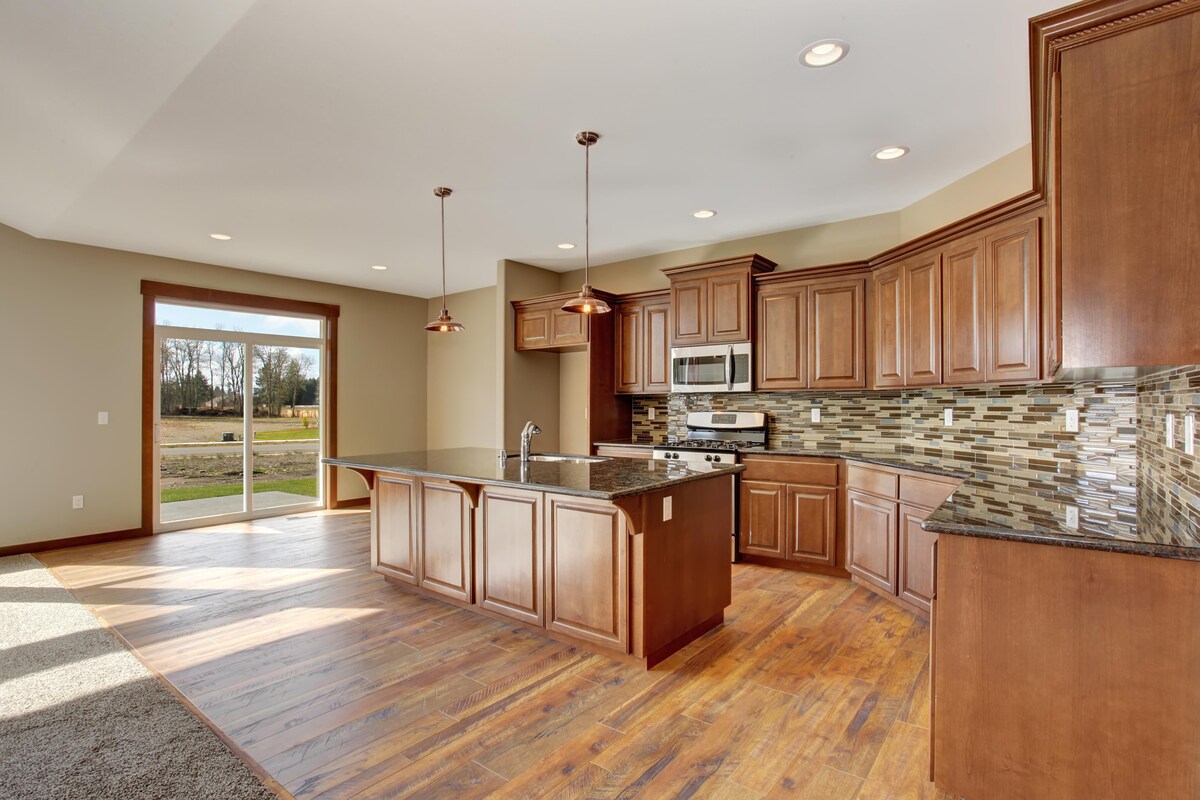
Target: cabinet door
{"x": 835, "y": 334}
{"x": 887, "y": 325}
{"x": 923, "y": 320}
{"x": 812, "y": 524}
{"x": 509, "y": 567}
{"x": 533, "y": 329}
{"x": 656, "y": 332}
{"x": 916, "y": 558}
{"x": 394, "y": 519}
{"x": 781, "y": 346}
{"x": 1012, "y": 304}
{"x": 763, "y": 515}
{"x": 568, "y": 328}
{"x": 587, "y": 571}
{"x": 446, "y": 541}
{"x": 628, "y": 348}
{"x": 729, "y": 308}
{"x": 871, "y": 529}
{"x": 689, "y": 307}
{"x": 964, "y": 312}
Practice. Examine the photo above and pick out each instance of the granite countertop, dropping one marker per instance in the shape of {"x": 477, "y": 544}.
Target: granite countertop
{"x": 1003, "y": 502}
{"x": 605, "y": 480}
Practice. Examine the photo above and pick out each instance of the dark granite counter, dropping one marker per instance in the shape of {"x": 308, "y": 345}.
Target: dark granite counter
{"x": 1003, "y": 502}
{"x": 605, "y": 480}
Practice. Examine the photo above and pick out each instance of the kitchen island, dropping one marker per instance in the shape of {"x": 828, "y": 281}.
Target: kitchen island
{"x": 628, "y": 557}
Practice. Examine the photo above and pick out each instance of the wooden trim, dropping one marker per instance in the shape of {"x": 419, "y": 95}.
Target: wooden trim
{"x": 199, "y": 294}
{"x": 331, "y": 409}
{"x": 260, "y": 773}
{"x": 148, "y": 346}
{"x": 794, "y": 566}
{"x": 754, "y": 261}
{"x": 353, "y": 502}
{"x": 810, "y": 273}
{"x": 559, "y": 298}
{"x": 648, "y": 295}
{"x": 71, "y": 541}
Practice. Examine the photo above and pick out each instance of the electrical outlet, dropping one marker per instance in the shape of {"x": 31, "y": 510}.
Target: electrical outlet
{"x": 650, "y": 413}
{"x": 77, "y": 501}
{"x": 102, "y": 418}
{"x": 948, "y": 417}
{"x": 667, "y": 508}
{"x": 1072, "y": 421}
{"x": 1170, "y": 424}
{"x": 1072, "y": 518}
{"x": 1189, "y": 435}
{"x": 816, "y": 414}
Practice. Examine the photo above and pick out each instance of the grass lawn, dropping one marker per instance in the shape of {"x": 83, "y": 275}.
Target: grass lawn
{"x": 287, "y": 433}
{"x": 304, "y": 486}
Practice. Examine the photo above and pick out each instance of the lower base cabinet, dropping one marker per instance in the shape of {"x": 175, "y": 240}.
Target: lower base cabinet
{"x": 508, "y": 575}
{"x": 587, "y": 571}
{"x": 788, "y": 511}
{"x": 872, "y": 525}
{"x": 446, "y": 546}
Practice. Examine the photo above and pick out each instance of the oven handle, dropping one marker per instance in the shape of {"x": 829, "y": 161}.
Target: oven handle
{"x": 729, "y": 369}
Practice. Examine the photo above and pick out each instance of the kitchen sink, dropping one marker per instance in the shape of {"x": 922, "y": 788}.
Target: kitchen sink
{"x": 565, "y": 459}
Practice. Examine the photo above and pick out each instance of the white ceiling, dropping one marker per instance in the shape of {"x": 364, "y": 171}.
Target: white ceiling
{"x": 313, "y": 132}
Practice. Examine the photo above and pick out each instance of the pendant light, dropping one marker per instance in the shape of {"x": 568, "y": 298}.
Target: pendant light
{"x": 444, "y": 324}
{"x": 586, "y": 302}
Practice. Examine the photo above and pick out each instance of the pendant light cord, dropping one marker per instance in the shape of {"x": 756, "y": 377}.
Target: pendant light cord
{"x": 443, "y": 199}
{"x": 587, "y": 211}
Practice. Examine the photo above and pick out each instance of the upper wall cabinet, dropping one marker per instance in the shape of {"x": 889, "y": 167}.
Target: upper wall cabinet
{"x": 905, "y": 302}
{"x": 711, "y": 301}
{"x": 543, "y": 325}
{"x": 1116, "y": 87}
{"x": 642, "y": 348}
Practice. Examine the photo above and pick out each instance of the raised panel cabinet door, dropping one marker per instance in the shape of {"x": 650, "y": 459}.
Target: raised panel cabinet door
{"x": 533, "y": 329}
{"x": 781, "y": 344}
{"x": 871, "y": 529}
{"x": 628, "y": 348}
{"x": 689, "y": 311}
{"x": 836, "y": 347}
{"x": 887, "y": 326}
{"x": 763, "y": 515}
{"x": 656, "y": 331}
{"x": 394, "y": 516}
{"x": 729, "y": 308}
{"x": 916, "y": 558}
{"x": 587, "y": 571}
{"x": 923, "y": 320}
{"x": 1012, "y": 304}
{"x": 446, "y": 541}
{"x": 964, "y": 312}
{"x": 509, "y": 566}
{"x": 812, "y": 524}
{"x": 568, "y": 328}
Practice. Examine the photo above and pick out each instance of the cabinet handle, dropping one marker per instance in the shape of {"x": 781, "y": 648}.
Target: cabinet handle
{"x": 729, "y": 369}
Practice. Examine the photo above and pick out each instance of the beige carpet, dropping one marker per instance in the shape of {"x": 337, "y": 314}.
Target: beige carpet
{"x": 81, "y": 717}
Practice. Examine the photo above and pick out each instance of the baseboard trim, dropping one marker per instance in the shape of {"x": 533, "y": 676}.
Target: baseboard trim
{"x": 71, "y": 541}
{"x": 356, "y": 502}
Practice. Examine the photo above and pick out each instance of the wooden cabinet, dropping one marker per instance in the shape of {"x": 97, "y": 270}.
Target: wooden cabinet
{"x": 1117, "y": 152}
{"x": 781, "y": 346}
{"x": 1011, "y": 295}
{"x": 964, "y": 312}
{"x": 587, "y": 571}
{"x": 446, "y": 546}
{"x": 888, "y": 549}
{"x": 811, "y": 334}
{"x": 710, "y": 302}
{"x": 568, "y": 328}
{"x": 642, "y": 347}
{"x": 788, "y": 511}
{"x": 394, "y": 542}
{"x": 508, "y": 575}
{"x": 533, "y": 328}
{"x": 624, "y": 451}
{"x": 906, "y": 323}
{"x": 887, "y": 325}
{"x": 541, "y": 324}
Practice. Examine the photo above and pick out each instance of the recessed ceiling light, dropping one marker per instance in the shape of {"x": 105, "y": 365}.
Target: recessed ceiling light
{"x": 379, "y": 267}
{"x": 566, "y": 246}
{"x": 704, "y": 213}
{"x": 220, "y": 236}
{"x": 890, "y": 152}
{"x": 824, "y": 53}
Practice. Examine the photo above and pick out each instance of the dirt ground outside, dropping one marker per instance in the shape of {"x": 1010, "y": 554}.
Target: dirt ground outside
{"x": 176, "y": 430}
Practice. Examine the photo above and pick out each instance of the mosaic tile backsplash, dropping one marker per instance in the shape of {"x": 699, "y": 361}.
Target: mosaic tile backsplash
{"x": 1115, "y": 465}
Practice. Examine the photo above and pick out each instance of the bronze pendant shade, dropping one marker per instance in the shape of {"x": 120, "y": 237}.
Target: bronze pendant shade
{"x": 586, "y": 302}
{"x": 444, "y": 323}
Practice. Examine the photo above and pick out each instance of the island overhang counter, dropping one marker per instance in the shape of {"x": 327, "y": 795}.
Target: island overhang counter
{"x": 627, "y": 557}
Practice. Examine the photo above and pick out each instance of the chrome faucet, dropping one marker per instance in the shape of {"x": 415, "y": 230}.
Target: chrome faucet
{"x": 527, "y": 435}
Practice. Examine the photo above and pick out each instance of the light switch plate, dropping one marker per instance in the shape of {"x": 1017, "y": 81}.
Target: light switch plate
{"x": 1189, "y": 434}
{"x": 816, "y": 414}
{"x": 948, "y": 416}
{"x": 77, "y": 501}
{"x": 667, "y": 508}
{"x": 1170, "y": 425}
{"x": 650, "y": 412}
{"x": 1072, "y": 518}
{"x": 102, "y": 418}
{"x": 1072, "y": 421}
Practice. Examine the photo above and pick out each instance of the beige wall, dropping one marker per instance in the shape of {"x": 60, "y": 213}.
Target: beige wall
{"x": 529, "y": 381}
{"x": 70, "y": 321}
{"x": 1001, "y": 180}
{"x": 461, "y": 391}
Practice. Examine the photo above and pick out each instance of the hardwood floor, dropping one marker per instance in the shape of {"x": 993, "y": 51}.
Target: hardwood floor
{"x": 340, "y": 685}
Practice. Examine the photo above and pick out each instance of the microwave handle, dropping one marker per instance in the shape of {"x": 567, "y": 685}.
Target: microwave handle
{"x": 729, "y": 369}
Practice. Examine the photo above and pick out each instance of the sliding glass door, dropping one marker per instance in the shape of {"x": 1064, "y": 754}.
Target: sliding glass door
{"x": 238, "y": 431}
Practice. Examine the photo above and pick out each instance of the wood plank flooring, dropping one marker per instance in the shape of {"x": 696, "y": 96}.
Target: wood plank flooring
{"x": 340, "y": 685}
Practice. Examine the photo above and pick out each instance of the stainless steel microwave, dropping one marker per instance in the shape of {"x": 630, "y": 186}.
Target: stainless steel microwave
{"x": 711, "y": 368}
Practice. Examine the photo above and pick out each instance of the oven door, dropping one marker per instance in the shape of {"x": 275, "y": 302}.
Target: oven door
{"x": 711, "y": 368}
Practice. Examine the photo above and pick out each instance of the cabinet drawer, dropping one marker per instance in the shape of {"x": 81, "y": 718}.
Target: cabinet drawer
{"x": 624, "y": 451}
{"x": 925, "y": 492}
{"x": 873, "y": 481}
{"x": 792, "y": 469}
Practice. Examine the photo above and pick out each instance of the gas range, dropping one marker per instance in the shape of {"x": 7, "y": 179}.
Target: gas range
{"x": 715, "y": 437}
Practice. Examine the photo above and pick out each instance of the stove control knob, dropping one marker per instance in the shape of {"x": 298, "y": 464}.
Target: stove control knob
{"x": 674, "y": 456}
{"x": 716, "y": 458}
{"x": 708, "y": 458}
